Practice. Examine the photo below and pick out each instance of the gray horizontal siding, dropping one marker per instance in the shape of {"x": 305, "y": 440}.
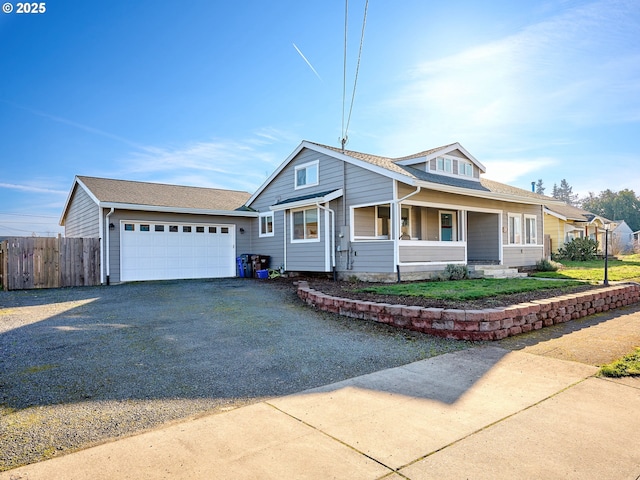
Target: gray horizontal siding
{"x": 82, "y": 216}
{"x": 373, "y": 257}
{"x": 271, "y": 246}
{"x": 432, "y": 253}
{"x": 364, "y": 186}
{"x": 282, "y": 186}
{"x": 306, "y": 257}
{"x": 522, "y": 255}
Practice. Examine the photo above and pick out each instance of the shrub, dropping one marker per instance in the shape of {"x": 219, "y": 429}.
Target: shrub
{"x": 454, "y": 272}
{"x": 578, "y": 249}
{"x": 545, "y": 265}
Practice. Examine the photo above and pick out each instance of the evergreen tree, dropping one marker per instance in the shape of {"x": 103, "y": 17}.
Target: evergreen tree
{"x": 539, "y": 188}
{"x": 623, "y": 205}
{"x": 565, "y": 193}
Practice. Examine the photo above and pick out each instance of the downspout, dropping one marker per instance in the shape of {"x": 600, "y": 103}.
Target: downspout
{"x": 107, "y": 235}
{"x": 333, "y": 237}
{"x": 284, "y": 243}
{"x": 396, "y": 236}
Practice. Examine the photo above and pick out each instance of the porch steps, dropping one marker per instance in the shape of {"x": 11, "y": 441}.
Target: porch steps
{"x": 494, "y": 271}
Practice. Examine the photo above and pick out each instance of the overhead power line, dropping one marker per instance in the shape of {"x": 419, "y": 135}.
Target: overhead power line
{"x": 27, "y": 215}
{"x": 345, "y": 129}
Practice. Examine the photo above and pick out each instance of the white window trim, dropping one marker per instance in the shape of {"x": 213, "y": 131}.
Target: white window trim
{"x": 521, "y": 233}
{"x": 304, "y": 240}
{"x": 304, "y": 166}
{"x": 460, "y": 161}
{"x": 408, "y": 225}
{"x": 535, "y": 230}
{"x": 273, "y": 223}
{"x": 454, "y": 225}
{"x": 380, "y": 235}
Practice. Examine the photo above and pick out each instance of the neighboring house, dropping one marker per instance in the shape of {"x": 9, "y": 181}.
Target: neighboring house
{"x": 563, "y": 223}
{"x": 622, "y": 237}
{"x": 367, "y": 216}
{"x": 322, "y": 210}
{"x": 152, "y": 231}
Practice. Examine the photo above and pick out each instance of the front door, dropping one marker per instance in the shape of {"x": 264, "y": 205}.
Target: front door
{"x": 446, "y": 227}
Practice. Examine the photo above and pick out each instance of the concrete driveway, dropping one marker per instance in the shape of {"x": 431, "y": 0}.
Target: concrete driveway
{"x": 80, "y": 366}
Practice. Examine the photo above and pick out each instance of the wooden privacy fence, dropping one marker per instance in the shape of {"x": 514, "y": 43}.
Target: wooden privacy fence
{"x": 49, "y": 262}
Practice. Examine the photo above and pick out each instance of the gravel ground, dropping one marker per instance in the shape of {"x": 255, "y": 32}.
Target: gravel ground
{"x": 81, "y": 366}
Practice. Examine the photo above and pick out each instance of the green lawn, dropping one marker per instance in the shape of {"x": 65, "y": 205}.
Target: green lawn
{"x": 626, "y": 366}
{"x": 627, "y": 268}
{"x": 466, "y": 289}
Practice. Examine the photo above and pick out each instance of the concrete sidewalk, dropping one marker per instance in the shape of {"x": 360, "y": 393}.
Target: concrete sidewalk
{"x": 487, "y": 412}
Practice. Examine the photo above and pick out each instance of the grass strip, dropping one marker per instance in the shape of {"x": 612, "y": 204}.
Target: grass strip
{"x": 467, "y": 289}
{"x": 627, "y": 366}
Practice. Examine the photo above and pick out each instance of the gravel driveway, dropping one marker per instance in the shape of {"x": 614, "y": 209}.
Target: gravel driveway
{"x": 83, "y": 365}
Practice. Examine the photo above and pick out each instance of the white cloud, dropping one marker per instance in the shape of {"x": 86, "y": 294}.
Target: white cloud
{"x": 32, "y": 188}
{"x": 220, "y": 163}
{"x": 577, "y": 69}
{"x": 508, "y": 171}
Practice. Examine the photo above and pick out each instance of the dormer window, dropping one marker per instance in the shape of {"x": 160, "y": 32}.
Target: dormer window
{"x": 444, "y": 165}
{"x": 452, "y": 166}
{"x": 465, "y": 169}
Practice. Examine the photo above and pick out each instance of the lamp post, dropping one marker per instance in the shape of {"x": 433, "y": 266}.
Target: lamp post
{"x": 606, "y": 254}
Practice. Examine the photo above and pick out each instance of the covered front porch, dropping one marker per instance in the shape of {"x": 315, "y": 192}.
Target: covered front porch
{"x": 427, "y": 237}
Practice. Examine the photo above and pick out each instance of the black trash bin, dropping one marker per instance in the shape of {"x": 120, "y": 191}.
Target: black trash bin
{"x": 259, "y": 262}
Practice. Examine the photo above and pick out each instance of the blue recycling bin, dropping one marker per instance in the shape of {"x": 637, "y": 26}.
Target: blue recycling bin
{"x": 247, "y": 270}
{"x": 240, "y": 267}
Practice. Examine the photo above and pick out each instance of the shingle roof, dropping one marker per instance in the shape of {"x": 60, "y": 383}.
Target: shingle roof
{"x": 305, "y": 197}
{"x": 572, "y": 213}
{"x": 484, "y": 184}
{"x": 163, "y": 195}
{"x": 497, "y": 187}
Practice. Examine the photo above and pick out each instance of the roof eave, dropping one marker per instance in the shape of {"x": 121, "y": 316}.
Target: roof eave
{"x": 309, "y": 201}
{"x": 478, "y": 193}
{"x": 194, "y": 211}
{"x": 331, "y": 153}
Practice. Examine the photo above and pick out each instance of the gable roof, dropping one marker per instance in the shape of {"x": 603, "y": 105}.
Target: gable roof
{"x": 132, "y": 195}
{"x": 400, "y": 169}
{"x": 566, "y": 212}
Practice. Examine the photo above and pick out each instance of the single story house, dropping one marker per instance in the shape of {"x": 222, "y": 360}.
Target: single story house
{"x": 622, "y": 237}
{"x": 322, "y": 210}
{"x": 563, "y": 223}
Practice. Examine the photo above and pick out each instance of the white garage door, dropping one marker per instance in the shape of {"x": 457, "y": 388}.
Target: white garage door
{"x": 165, "y": 251}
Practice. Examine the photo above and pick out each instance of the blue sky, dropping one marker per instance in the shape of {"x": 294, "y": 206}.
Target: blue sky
{"x": 219, "y": 93}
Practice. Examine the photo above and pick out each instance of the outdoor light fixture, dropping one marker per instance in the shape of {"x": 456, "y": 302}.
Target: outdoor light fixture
{"x": 112, "y": 226}
{"x": 606, "y": 253}
{"x": 241, "y": 230}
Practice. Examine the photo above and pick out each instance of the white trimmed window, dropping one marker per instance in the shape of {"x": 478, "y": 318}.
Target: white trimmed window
{"x": 444, "y": 164}
{"x": 266, "y": 224}
{"x": 306, "y": 175}
{"x": 515, "y": 229}
{"x": 465, "y": 169}
{"x": 304, "y": 225}
{"x": 530, "y": 230}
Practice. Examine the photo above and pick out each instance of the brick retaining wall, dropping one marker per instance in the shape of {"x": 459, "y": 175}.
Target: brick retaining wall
{"x": 488, "y": 324}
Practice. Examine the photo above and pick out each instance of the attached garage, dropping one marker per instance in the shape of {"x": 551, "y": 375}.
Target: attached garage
{"x": 163, "y": 251}
{"x": 152, "y": 231}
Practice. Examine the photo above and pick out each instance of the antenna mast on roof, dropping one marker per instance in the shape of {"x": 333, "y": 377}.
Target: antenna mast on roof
{"x": 344, "y": 138}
